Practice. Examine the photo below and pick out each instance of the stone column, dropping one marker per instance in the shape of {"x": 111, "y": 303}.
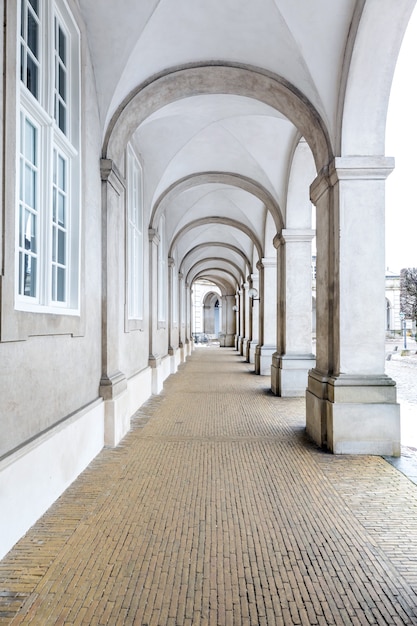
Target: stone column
{"x": 188, "y": 307}
{"x": 267, "y": 316}
{"x": 248, "y": 319}
{"x": 237, "y": 320}
{"x": 181, "y": 315}
{"x": 242, "y": 311}
{"x": 113, "y": 383}
{"x": 255, "y": 319}
{"x": 294, "y": 358}
{"x": 172, "y": 340}
{"x": 228, "y": 321}
{"x": 351, "y": 403}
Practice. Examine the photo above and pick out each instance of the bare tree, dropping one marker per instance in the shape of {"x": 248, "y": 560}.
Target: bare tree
{"x": 408, "y": 297}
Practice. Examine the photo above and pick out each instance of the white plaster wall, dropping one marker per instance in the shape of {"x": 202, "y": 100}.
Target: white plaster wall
{"x": 139, "y": 390}
{"x": 48, "y": 378}
{"x": 33, "y": 477}
{"x": 45, "y": 378}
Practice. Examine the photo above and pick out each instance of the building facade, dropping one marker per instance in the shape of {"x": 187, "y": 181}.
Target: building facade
{"x": 146, "y": 146}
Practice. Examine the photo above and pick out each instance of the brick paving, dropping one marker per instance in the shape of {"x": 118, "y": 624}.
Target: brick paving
{"x": 216, "y": 510}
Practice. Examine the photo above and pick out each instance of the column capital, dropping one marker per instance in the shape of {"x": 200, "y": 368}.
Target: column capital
{"x": 298, "y": 235}
{"x": 171, "y": 261}
{"x": 361, "y": 168}
{"x": 350, "y": 168}
{"x": 268, "y": 262}
{"x": 110, "y": 173}
{"x": 153, "y": 236}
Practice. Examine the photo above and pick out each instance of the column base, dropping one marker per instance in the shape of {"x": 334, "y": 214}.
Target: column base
{"x": 246, "y": 347}
{"x": 289, "y": 374}
{"x": 113, "y": 390}
{"x": 240, "y": 345}
{"x": 263, "y": 359}
{"x": 252, "y": 350}
{"x": 353, "y": 414}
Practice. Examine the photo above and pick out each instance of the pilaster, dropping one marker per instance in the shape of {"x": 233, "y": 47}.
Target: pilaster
{"x": 255, "y": 319}
{"x": 113, "y": 383}
{"x": 154, "y": 357}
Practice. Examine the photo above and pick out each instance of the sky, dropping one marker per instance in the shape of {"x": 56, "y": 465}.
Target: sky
{"x": 401, "y": 143}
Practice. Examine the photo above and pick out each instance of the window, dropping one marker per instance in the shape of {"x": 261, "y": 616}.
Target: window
{"x": 162, "y": 273}
{"x": 134, "y": 237}
{"x": 48, "y": 183}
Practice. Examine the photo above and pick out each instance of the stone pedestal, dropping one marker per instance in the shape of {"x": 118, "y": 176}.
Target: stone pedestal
{"x": 351, "y": 404}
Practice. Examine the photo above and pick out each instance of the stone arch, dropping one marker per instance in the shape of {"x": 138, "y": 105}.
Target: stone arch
{"x": 214, "y": 78}
{"x": 217, "y": 260}
{"x": 226, "y": 178}
{"x": 366, "y": 84}
{"x": 217, "y": 220}
{"x": 217, "y": 245}
{"x": 211, "y": 321}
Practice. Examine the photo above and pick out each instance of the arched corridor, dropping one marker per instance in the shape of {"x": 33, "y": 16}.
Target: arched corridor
{"x": 167, "y": 168}
{"x": 215, "y": 509}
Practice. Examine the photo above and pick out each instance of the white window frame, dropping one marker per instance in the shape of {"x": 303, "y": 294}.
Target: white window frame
{"x": 135, "y": 238}
{"x": 162, "y": 274}
{"x": 53, "y": 142}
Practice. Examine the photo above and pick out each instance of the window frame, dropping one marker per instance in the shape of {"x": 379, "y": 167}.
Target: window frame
{"x": 162, "y": 275}
{"x": 135, "y": 258}
{"x": 53, "y": 141}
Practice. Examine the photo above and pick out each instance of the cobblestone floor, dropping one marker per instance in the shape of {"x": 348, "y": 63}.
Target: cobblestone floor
{"x": 216, "y": 510}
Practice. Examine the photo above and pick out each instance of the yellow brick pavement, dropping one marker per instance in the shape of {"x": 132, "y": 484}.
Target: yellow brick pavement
{"x": 216, "y": 511}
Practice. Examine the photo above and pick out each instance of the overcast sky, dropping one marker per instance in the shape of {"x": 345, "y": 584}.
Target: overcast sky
{"x": 401, "y": 142}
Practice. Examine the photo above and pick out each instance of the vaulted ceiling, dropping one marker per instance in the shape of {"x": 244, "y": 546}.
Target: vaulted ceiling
{"x": 221, "y": 97}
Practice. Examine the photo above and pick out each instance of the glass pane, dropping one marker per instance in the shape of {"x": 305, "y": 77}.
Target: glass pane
{"x": 61, "y": 285}
{"x": 54, "y": 245}
{"x": 62, "y": 82}
{"x": 21, "y": 276}
{"x": 21, "y": 228}
{"x": 61, "y": 174}
{"x": 30, "y": 142}
{"x": 22, "y": 63}
{"x": 54, "y": 205}
{"x": 29, "y": 186}
{"x": 54, "y": 283}
{"x": 35, "y": 6}
{"x": 61, "y": 247}
{"x": 30, "y": 276}
{"x": 61, "y": 210}
{"x": 30, "y": 231}
{"x": 62, "y": 46}
{"x": 32, "y": 76}
{"x": 22, "y": 19}
{"x": 54, "y": 168}
{"x": 32, "y": 40}
{"x": 21, "y": 179}
{"x": 62, "y": 117}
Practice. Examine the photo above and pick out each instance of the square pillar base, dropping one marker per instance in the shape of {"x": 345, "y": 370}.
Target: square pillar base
{"x": 113, "y": 390}
{"x": 289, "y": 374}
{"x": 252, "y": 350}
{"x": 263, "y": 359}
{"x": 354, "y": 415}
